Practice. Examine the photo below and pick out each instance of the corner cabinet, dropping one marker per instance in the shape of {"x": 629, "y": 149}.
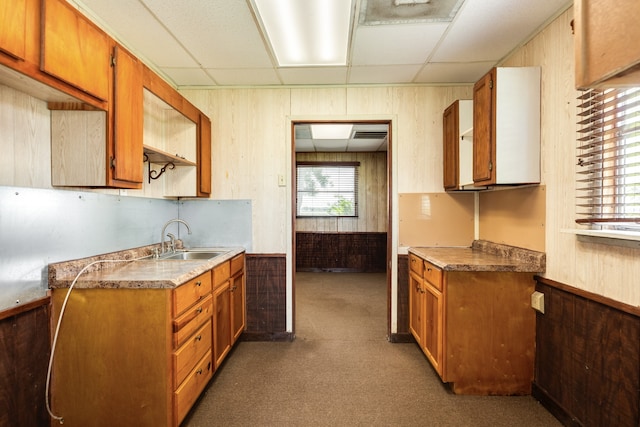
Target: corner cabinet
{"x": 457, "y": 122}
{"x": 506, "y": 127}
{"x": 476, "y": 328}
{"x": 177, "y": 142}
{"x": 607, "y": 52}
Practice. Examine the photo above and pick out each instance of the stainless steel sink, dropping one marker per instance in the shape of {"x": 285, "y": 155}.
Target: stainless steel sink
{"x": 187, "y": 255}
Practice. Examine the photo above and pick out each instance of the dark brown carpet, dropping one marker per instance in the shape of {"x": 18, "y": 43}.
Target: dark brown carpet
{"x": 341, "y": 371}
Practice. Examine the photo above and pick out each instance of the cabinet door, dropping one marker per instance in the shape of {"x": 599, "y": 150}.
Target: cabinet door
{"x": 221, "y": 322}
{"x": 238, "y": 306}
{"x": 74, "y": 49}
{"x": 204, "y": 156}
{"x": 13, "y": 25}
{"x": 607, "y": 52}
{"x": 126, "y": 156}
{"x": 416, "y": 303}
{"x": 450, "y": 146}
{"x": 484, "y": 130}
{"x": 433, "y": 322}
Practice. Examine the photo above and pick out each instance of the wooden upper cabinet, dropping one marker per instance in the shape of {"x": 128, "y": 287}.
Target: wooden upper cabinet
{"x": 483, "y": 130}
{"x": 450, "y": 147}
{"x": 13, "y": 27}
{"x": 506, "y": 127}
{"x": 204, "y": 156}
{"x": 607, "y": 51}
{"x": 74, "y": 49}
{"x": 457, "y": 122}
{"x": 126, "y": 152}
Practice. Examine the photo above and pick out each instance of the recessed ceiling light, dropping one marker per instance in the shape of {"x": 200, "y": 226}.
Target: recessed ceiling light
{"x": 307, "y": 33}
{"x": 331, "y": 131}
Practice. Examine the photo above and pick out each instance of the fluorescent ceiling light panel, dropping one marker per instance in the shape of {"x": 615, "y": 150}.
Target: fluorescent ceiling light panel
{"x": 307, "y": 33}
{"x": 331, "y": 131}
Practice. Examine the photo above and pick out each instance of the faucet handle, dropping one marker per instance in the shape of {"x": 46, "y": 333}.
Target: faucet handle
{"x": 172, "y": 243}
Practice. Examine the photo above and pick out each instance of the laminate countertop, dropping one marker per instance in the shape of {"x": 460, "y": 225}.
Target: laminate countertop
{"x": 125, "y": 270}
{"x": 483, "y": 256}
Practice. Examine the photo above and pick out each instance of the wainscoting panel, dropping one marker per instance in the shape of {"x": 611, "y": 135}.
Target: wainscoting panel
{"x": 347, "y": 252}
{"x": 587, "y": 357}
{"x": 24, "y": 355}
{"x": 403, "y": 334}
{"x": 266, "y": 298}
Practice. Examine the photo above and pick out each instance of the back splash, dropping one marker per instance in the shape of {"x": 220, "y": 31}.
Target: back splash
{"x": 43, "y": 226}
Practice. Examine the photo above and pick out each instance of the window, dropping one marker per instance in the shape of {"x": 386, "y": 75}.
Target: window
{"x": 327, "y": 189}
{"x": 608, "y": 180}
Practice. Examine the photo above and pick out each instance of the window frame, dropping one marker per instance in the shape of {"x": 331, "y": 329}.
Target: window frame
{"x": 328, "y": 164}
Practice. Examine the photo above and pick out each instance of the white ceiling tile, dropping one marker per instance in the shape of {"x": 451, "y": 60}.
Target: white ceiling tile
{"x": 131, "y": 23}
{"x": 310, "y": 76}
{"x": 245, "y": 77}
{"x": 487, "y": 30}
{"x": 218, "y": 33}
{"x": 304, "y": 145}
{"x": 188, "y": 76}
{"x": 395, "y": 44}
{"x": 331, "y": 145}
{"x": 453, "y": 72}
{"x": 383, "y": 74}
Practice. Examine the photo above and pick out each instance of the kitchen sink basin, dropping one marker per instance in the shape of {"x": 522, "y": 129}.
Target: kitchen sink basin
{"x": 187, "y": 255}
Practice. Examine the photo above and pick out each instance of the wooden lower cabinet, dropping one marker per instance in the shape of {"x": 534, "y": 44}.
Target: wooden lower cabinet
{"x": 476, "y": 328}
{"x": 229, "y": 305}
{"x": 138, "y": 356}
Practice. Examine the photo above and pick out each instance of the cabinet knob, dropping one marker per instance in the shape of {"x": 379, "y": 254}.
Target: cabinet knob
{"x": 199, "y": 310}
{"x": 198, "y": 283}
{"x": 199, "y": 338}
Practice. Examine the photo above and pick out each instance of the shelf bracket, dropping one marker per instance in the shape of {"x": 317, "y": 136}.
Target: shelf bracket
{"x": 154, "y": 174}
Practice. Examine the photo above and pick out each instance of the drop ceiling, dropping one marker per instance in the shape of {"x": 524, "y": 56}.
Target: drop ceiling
{"x": 215, "y": 43}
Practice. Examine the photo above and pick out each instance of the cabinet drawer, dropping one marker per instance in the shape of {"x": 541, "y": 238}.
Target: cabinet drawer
{"x": 237, "y": 264}
{"x": 187, "y": 356}
{"x": 221, "y": 273}
{"x": 433, "y": 275}
{"x": 189, "y": 293}
{"x": 192, "y": 319}
{"x": 189, "y": 390}
{"x": 415, "y": 263}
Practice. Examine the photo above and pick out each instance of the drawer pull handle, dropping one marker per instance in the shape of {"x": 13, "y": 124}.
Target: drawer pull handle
{"x": 199, "y": 310}
{"x": 199, "y": 372}
{"x": 199, "y": 337}
{"x": 198, "y": 283}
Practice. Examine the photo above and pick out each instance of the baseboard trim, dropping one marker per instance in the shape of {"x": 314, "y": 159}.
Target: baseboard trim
{"x": 401, "y": 338}
{"x": 551, "y": 405}
{"x": 268, "y": 336}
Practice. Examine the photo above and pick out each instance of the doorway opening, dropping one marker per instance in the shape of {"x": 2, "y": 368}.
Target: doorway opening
{"x": 341, "y": 199}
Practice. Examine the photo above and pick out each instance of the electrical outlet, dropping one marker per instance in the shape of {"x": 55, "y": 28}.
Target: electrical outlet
{"x": 537, "y": 301}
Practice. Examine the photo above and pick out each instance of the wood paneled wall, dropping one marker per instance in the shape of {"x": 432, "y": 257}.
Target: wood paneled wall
{"x": 266, "y": 298}
{"x": 587, "y": 358}
{"x": 24, "y": 356}
{"x": 606, "y": 270}
{"x": 341, "y": 252}
{"x": 372, "y": 194}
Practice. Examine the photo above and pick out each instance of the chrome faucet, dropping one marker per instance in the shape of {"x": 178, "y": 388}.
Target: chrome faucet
{"x": 165, "y": 229}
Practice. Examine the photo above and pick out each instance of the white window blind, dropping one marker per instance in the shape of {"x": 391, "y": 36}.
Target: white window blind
{"x": 327, "y": 189}
{"x": 608, "y": 181}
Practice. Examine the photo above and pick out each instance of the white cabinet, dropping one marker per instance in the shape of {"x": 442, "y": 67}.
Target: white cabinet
{"x": 506, "y": 127}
